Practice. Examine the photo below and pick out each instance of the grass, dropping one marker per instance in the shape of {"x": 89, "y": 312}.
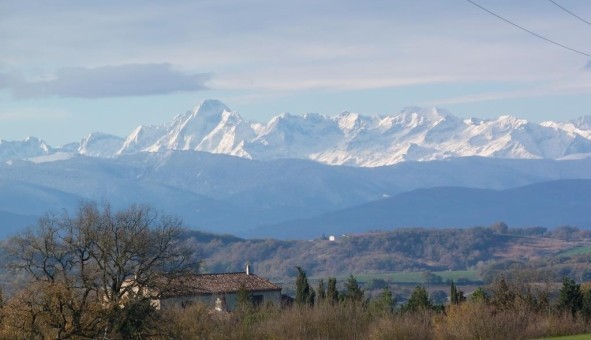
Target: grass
{"x": 574, "y": 251}
{"x": 573, "y": 337}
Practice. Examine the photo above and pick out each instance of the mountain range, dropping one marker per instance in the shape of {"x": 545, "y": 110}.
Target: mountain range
{"x": 414, "y": 134}
{"x": 302, "y": 176}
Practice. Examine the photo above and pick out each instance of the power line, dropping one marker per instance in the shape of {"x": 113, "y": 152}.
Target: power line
{"x": 530, "y": 32}
{"x": 569, "y": 12}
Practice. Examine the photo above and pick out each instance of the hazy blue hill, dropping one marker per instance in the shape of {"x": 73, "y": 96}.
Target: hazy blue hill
{"x": 226, "y": 194}
{"x": 546, "y": 204}
{"x": 13, "y": 223}
{"x": 24, "y": 198}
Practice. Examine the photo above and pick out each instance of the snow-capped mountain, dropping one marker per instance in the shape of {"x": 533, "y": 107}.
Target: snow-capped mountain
{"x": 28, "y": 148}
{"x": 353, "y": 139}
{"x": 100, "y": 144}
{"x": 415, "y": 134}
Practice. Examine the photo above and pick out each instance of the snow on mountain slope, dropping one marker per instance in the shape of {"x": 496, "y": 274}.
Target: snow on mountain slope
{"x": 211, "y": 127}
{"x": 142, "y": 137}
{"x": 98, "y": 144}
{"x": 289, "y": 136}
{"x": 414, "y": 134}
{"x": 27, "y": 148}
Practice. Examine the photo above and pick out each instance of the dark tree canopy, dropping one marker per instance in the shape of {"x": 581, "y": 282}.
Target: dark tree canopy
{"x": 571, "y": 297}
{"x": 332, "y": 294}
{"x": 321, "y": 291}
{"x": 304, "y": 293}
{"x": 353, "y": 292}
{"x": 419, "y": 299}
{"x": 384, "y": 303}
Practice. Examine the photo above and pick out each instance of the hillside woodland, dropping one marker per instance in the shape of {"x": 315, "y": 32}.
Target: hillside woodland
{"x": 484, "y": 249}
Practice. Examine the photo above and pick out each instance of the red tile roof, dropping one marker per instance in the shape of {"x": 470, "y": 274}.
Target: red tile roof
{"x": 219, "y": 283}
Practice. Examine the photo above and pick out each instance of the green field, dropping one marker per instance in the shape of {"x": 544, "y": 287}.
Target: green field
{"x": 419, "y": 277}
{"x": 574, "y": 251}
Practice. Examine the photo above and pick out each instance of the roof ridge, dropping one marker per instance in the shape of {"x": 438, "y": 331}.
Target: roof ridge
{"x": 226, "y": 273}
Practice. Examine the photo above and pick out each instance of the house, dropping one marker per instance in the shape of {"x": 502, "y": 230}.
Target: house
{"x": 219, "y": 290}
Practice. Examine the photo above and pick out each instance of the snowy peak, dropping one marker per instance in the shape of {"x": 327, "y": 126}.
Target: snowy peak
{"x": 190, "y": 129}
{"x": 28, "y": 148}
{"x": 210, "y": 127}
{"x": 210, "y": 107}
{"x": 291, "y": 136}
{"x": 141, "y": 138}
{"x": 98, "y": 144}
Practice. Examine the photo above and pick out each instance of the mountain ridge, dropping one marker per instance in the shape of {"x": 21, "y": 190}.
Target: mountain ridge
{"x": 414, "y": 134}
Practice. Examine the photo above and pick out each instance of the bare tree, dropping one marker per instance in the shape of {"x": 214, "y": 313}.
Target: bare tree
{"x": 92, "y": 270}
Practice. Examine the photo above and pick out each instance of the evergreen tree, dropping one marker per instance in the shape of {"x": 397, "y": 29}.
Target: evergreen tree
{"x": 311, "y": 297}
{"x": 456, "y": 296}
{"x": 304, "y": 294}
{"x": 332, "y": 294}
{"x": 384, "y": 303}
{"x": 570, "y": 298}
{"x": 419, "y": 300}
{"x": 353, "y": 293}
{"x": 453, "y": 294}
{"x": 479, "y": 295}
{"x": 321, "y": 291}
{"x": 586, "y": 303}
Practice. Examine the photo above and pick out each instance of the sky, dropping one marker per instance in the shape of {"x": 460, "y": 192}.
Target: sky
{"x": 69, "y": 68}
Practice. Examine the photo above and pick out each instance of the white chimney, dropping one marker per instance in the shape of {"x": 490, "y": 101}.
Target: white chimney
{"x": 248, "y": 269}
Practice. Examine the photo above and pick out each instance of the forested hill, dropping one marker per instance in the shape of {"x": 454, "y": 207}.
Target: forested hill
{"x": 399, "y": 250}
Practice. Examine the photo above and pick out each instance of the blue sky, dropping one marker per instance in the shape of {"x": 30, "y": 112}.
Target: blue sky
{"x": 68, "y": 68}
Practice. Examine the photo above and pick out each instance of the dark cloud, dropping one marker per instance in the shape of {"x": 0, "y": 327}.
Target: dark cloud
{"x": 112, "y": 81}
